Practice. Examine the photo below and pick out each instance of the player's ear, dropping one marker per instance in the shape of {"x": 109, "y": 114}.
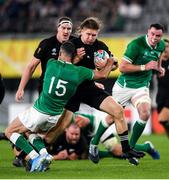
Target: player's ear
{"x": 60, "y": 53}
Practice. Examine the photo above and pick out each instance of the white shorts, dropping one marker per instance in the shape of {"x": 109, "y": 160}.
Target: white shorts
{"x": 126, "y": 96}
{"x": 35, "y": 120}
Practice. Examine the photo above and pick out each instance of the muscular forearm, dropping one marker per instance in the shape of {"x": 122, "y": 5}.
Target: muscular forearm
{"x": 126, "y": 67}
{"x": 27, "y": 74}
{"x": 25, "y": 78}
{"x": 129, "y": 68}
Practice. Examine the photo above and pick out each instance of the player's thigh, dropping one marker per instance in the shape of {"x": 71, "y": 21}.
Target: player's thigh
{"x": 94, "y": 96}
{"x": 141, "y": 95}
{"x": 141, "y": 100}
{"x": 121, "y": 94}
{"x": 59, "y": 128}
{"x": 36, "y": 121}
{"x": 15, "y": 126}
{"x": 110, "y": 106}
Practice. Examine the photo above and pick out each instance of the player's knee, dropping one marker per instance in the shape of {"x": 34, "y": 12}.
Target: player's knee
{"x": 144, "y": 114}
{"x": 144, "y": 110}
{"x": 118, "y": 112}
{"x": 110, "y": 143}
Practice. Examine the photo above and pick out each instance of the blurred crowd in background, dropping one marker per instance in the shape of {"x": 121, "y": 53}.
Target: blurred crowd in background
{"x": 32, "y": 16}
{"x": 37, "y": 16}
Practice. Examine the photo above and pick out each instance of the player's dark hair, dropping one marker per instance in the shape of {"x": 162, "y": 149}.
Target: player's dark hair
{"x": 68, "y": 48}
{"x": 91, "y": 23}
{"x": 157, "y": 26}
{"x": 64, "y": 19}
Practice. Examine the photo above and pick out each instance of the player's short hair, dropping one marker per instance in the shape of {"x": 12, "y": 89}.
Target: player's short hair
{"x": 157, "y": 26}
{"x": 63, "y": 20}
{"x": 68, "y": 48}
{"x": 91, "y": 23}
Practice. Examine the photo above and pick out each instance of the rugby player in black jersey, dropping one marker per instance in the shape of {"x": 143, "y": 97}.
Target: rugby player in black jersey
{"x": 162, "y": 98}
{"x": 47, "y": 48}
{"x": 89, "y": 93}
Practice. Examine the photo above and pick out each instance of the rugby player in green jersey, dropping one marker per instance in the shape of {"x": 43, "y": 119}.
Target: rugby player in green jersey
{"x": 60, "y": 83}
{"x": 132, "y": 86}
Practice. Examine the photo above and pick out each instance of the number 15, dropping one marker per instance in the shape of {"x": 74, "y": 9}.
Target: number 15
{"x": 60, "y": 85}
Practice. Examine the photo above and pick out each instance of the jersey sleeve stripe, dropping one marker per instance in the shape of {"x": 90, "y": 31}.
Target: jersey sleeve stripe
{"x": 127, "y": 59}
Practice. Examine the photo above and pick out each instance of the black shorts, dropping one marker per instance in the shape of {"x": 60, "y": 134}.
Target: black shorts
{"x": 89, "y": 94}
{"x": 162, "y": 99}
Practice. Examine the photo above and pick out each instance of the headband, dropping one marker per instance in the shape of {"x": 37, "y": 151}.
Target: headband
{"x": 65, "y": 21}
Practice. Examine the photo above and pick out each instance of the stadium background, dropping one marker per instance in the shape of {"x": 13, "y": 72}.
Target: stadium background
{"x": 25, "y": 22}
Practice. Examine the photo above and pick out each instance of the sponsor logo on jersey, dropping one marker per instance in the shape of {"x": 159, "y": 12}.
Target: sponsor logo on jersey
{"x": 54, "y": 52}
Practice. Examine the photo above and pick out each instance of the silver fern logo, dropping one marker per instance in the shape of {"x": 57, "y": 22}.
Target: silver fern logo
{"x": 54, "y": 52}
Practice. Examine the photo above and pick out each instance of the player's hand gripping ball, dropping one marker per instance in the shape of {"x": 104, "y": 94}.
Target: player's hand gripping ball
{"x": 100, "y": 58}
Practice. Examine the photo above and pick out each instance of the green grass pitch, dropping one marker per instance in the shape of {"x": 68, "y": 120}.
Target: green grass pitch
{"x": 108, "y": 168}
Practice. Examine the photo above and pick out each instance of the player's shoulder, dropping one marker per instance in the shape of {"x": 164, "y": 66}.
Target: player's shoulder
{"x": 161, "y": 45}
{"x": 138, "y": 41}
{"x": 81, "y": 69}
{"x": 75, "y": 39}
{"x": 52, "y": 61}
{"x": 49, "y": 39}
{"x": 100, "y": 43}
{"x": 72, "y": 37}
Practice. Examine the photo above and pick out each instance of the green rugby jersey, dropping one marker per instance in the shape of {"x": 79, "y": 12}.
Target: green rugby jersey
{"x": 59, "y": 84}
{"x": 139, "y": 52}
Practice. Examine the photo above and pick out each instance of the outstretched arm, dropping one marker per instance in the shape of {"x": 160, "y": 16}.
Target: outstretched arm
{"x": 27, "y": 74}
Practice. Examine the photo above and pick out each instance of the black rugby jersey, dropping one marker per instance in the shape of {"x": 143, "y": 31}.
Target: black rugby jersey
{"x": 88, "y": 59}
{"x": 61, "y": 144}
{"x": 48, "y": 48}
{"x": 163, "y": 82}
{"x": 88, "y": 92}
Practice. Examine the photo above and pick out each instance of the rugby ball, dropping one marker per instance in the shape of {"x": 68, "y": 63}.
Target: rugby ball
{"x": 100, "y": 55}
